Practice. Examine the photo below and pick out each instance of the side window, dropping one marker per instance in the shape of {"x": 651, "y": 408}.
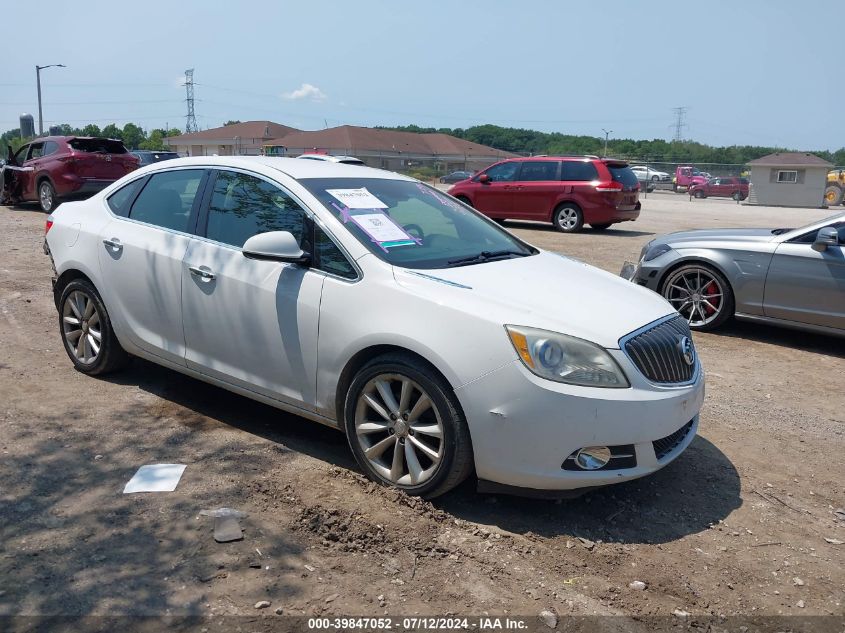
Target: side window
{"x": 50, "y": 147}
{"x": 809, "y": 238}
{"x": 167, "y": 198}
{"x": 243, "y": 206}
{"x": 36, "y": 150}
{"x": 505, "y": 172}
{"x": 539, "y": 170}
{"x": 329, "y": 258}
{"x": 120, "y": 200}
{"x": 578, "y": 170}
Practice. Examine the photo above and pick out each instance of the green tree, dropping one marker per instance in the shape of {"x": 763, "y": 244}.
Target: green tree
{"x": 91, "y": 130}
{"x": 230, "y": 123}
{"x": 132, "y": 136}
{"x": 112, "y": 131}
{"x": 153, "y": 141}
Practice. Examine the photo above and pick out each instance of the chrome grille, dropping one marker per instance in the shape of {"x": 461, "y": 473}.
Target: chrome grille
{"x": 657, "y": 352}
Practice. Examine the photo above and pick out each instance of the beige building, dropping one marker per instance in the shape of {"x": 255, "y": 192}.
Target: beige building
{"x": 788, "y": 179}
{"x": 238, "y": 139}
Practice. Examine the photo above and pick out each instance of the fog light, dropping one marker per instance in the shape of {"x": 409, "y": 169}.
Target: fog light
{"x": 593, "y": 457}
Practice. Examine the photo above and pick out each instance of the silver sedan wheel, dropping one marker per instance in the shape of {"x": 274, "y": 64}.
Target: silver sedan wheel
{"x": 399, "y": 429}
{"x": 81, "y": 327}
{"x": 697, "y": 294}
{"x": 567, "y": 218}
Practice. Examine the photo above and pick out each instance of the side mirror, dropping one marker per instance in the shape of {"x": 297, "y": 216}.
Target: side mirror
{"x": 828, "y": 236}
{"x": 277, "y": 246}
{"x": 484, "y": 179}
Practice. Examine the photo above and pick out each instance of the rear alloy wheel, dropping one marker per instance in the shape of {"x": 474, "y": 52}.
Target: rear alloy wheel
{"x": 46, "y": 196}
{"x": 737, "y": 196}
{"x": 568, "y": 218}
{"x": 405, "y": 427}
{"x": 600, "y": 227}
{"x": 700, "y": 294}
{"x": 833, "y": 195}
{"x": 699, "y": 194}
{"x": 655, "y": 178}
{"x": 86, "y": 330}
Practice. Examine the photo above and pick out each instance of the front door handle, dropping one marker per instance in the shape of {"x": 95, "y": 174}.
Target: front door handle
{"x": 202, "y": 273}
{"x": 113, "y": 244}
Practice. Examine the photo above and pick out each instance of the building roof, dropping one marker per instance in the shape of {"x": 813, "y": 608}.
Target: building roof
{"x": 352, "y": 139}
{"x": 790, "y": 159}
{"x": 246, "y": 130}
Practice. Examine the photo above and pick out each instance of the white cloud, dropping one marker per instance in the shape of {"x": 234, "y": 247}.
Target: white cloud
{"x": 305, "y": 91}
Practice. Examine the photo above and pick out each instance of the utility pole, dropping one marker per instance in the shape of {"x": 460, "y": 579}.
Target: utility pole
{"x": 607, "y": 133}
{"x": 190, "y": 118}
{"x": 38, "y": 70}
{"x": 680, "y": 112}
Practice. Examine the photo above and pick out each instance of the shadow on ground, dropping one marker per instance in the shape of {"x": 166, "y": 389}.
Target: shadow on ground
{"x": 615, "y": 230}
{"x": 783, "y": 337}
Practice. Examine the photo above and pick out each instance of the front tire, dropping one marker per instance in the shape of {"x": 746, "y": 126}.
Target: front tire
{"x": 701, "y": 295}
{"x": 833, "y": 195}
{"x": 405, "y": 427}
{"x": 568, "y": 218}
{"x": 699, "y": 194}
{"x": 87, "y": 332}
{"x": 47, "y": 196}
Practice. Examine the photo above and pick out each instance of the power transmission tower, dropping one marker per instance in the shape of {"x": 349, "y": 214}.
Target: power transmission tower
{"x": 190, "y": 119}
{"x": 679, "y": 123}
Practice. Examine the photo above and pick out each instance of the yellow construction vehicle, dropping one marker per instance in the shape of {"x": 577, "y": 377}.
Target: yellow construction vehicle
{"x": 834, "y": 189}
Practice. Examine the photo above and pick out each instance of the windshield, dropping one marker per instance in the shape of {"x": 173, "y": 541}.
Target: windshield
{"x": 410, "y": 224}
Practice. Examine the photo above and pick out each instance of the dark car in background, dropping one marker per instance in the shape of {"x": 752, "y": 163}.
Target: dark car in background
{"x": 456, "y": 176}
{"x": 51, "y": 168}
{"x": 148, "y": 157}
{"x": 729, "y": 187}
{"x": 568, "y": 191}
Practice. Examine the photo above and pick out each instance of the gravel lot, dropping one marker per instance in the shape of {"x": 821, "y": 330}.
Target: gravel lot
{"x": 736, "y": 526}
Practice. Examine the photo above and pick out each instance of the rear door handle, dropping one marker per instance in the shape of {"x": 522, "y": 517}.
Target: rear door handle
{"x": 202, "y": 273}
{"x": 114, "y": 244}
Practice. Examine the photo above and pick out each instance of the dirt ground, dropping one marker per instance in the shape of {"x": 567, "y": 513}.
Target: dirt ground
{"x": 747, "y": 522}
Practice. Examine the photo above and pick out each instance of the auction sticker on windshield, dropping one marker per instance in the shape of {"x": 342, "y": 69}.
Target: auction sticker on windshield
{"x": 382, "y": 229}
{"x": 357, "y": 198}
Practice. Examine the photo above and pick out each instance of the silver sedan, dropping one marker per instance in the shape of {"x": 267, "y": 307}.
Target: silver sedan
{"x": 789, "y": 277}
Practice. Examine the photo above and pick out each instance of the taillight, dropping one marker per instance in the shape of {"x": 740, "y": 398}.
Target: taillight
{"x": 609, "y": 186}
{"x": 48, "y": 224}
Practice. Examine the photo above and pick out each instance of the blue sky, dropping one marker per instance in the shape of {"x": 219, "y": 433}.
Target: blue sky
{"x": 760, "y": 72}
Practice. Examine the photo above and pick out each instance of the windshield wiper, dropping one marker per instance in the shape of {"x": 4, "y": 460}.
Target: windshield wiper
{"x": 485, "y": 256}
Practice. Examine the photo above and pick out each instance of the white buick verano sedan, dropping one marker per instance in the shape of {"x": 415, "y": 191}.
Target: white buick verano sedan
{"x": 438, "y": 342}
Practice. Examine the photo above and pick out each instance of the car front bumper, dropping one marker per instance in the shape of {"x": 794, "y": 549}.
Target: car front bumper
{"x": 524, "y": 427}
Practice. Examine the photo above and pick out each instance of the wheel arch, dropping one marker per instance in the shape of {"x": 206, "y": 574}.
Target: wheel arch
{"x": 67, "y": 276}
{"x": 361, "y": 358}
{"x": 559, "y": 203}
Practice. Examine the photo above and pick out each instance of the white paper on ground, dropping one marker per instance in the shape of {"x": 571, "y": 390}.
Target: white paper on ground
{"x": 155, "y": 478}
{"x": 357, "y": 198}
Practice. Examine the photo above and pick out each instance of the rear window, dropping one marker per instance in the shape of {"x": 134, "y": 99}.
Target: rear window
{"x": 97, "y": 145}
{"x": 578, "y": 170}
{"x": 624, "y": 175}
{"x": 120, "y": 200}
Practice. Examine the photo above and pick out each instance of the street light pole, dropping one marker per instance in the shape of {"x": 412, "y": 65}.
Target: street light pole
{"x": 606, "y": 134}
{"x": 38, "y": 70}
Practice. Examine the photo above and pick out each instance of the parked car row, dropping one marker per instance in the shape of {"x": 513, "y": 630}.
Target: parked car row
{"x": 567, "y": 191}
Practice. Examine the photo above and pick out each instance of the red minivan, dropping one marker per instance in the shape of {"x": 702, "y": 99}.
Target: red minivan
{"x": 54, "y": 167}
{"x": 568, "y": 191}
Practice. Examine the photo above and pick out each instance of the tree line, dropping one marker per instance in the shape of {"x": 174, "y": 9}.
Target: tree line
{"x": 133, "y": 136}
{"x": 522, "y": 141}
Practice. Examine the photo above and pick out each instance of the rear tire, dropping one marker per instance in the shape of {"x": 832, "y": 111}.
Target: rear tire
{"x": 600, "y": 227}
{"x": 568, "y": 218}
{"x": 47, "y": 196}
{"x": 419, "y": 443}
{"x": 737, "y": 196}
{"x": 833, "y": 195}
{"x": 87, "y": 332}
{"x": 699, "y": 194}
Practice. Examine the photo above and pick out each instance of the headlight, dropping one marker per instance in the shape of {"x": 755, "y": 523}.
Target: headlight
{"x": 653, "y": 252}
{"x": 565, "y": 358}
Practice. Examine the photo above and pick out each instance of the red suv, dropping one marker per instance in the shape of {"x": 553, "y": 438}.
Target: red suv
{"x": 55, "y": 167}
{"x": 566, "y": 191}
{"x": 736, "y": 188}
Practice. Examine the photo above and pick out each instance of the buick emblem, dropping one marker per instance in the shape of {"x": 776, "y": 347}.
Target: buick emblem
{"x": 687, "y": 350}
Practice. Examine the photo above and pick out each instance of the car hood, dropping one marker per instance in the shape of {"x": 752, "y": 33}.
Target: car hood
{"x": 715, "y": 235}
{"x": 547, "y": 291}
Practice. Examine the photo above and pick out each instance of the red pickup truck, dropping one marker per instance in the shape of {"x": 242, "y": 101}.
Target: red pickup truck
{"x": 728, "y": 187}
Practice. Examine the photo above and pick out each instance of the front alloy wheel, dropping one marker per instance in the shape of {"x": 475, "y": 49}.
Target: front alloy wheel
{"x": 405, "y": 427}
{"x": 701, "y": 295}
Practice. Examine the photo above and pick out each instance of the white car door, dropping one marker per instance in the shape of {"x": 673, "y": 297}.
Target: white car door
{"x": 250, "y": 322}
{"x": 141, "y": 253}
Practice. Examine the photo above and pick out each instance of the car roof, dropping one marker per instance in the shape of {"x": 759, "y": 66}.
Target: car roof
{"x": 293, "y": 167}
